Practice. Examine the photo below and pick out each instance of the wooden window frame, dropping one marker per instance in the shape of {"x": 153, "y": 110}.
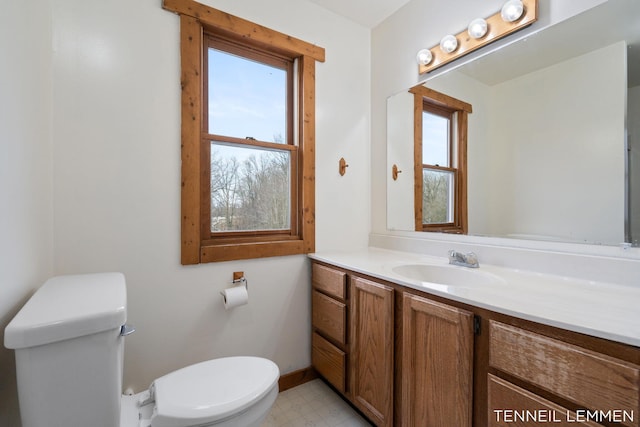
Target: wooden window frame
{"x": 440, "y": 102}
{"x": 197, "y": 244}
{"x": 289, "y": 144}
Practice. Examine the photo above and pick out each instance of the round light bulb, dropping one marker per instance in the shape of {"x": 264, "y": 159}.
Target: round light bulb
{"x": 477, "y": 28}
{"x": 448, "y": 44}
{"x": 512, "y": 10}
{"x": 424, "y": 57}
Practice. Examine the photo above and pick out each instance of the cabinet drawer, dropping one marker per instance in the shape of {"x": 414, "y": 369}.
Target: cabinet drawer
{"x": 329, "y": 281}
{"x": 584, "y": 377}
{"x": 512, "y": 406}
{"x": 329, "y": 316}
{"x": 329, "y": 361}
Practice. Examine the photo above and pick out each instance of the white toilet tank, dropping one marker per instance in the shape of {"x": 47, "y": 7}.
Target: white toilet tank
{"x": 69, "y": 351}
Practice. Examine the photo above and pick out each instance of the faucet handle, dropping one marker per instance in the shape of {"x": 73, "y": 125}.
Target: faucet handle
{"x": 470, "y": 259}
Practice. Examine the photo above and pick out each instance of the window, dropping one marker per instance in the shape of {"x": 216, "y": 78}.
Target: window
{"x": 248, "y": 125}
{"x": 249, "y": 141}
{"x": 440, "y": 134}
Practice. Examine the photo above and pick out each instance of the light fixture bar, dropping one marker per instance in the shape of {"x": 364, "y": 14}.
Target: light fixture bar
{"x": 497, "y": 29}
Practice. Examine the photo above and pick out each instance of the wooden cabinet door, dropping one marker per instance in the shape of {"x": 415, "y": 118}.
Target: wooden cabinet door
{"x": 371, "y": 354}
{"x": 587, "y": 378}
{"x": 512, "y": 406}
{"x": 437, "y": 364}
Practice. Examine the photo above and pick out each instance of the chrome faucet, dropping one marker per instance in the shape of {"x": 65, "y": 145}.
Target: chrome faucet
{"x": 469, "y": 259}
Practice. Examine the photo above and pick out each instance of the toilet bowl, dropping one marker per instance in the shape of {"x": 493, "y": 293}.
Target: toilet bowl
{"x": 232, "y": 391}
{"x": 69, "y": 341}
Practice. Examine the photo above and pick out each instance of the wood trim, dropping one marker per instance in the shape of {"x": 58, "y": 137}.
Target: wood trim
{"x": 241, "y": 28}
{"x": 307, "y": 155}
{"x": 441, "y": 99}
{"x": 285, "y": 64}
{"x": 196, "y": 244}
{"x": 461, "y": 194}
{"x": 211, "y": 138}
{"x": 462, "y": 110}
{"x": 296, "y": 378}
{"x": 417, "y": 159}
{"x": 191, "y": 65}
{"x": 235, "y": 251}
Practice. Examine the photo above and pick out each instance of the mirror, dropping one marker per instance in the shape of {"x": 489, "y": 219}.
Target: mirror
{"x": 554, "y": 137}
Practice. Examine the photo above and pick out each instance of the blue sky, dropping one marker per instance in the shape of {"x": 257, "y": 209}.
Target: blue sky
{"x": 435, "y": 130}
{"x": 246, "y": 98}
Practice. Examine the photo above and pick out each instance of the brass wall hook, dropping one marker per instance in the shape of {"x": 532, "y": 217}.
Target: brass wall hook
{"x": 342, "y": 166}
{"x": 394, "y": 172}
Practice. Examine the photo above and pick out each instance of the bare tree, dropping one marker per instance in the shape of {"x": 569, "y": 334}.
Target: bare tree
{"x": 435, "y": 198}
{"x": 265, "y": 191}
{"x": 224, "y": 191}
{"x": 252, "y": 195}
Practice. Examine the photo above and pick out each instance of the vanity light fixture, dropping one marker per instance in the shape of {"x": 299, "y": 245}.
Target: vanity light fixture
{"x": 424, "y": 57}
{"x": 448, "y": 43}
{"x": 477, "y": 28}
{"x": 512, "y": 10}
{"x": 514, "y": 15}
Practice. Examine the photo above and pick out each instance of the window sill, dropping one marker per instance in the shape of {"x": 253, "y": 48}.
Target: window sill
{"x": 237, "y": 251}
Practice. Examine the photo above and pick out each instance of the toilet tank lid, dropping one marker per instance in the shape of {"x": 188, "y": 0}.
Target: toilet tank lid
{"x": 68, "y": 307}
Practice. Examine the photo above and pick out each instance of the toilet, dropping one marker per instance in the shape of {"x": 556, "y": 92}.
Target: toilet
{"x": 69, "y": 341}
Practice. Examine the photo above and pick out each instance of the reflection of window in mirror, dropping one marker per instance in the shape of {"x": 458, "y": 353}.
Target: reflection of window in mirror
{"x": 440, "y": 167}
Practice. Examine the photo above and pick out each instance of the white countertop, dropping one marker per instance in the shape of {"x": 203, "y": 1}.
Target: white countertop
{"x": 605, "y": 310}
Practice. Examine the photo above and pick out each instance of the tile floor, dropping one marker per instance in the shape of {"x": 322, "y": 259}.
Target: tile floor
{"x": 312, "y": 404}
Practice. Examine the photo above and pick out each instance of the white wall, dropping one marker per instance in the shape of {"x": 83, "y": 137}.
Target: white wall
{"x": 400, "y": 192}
{"x": 633, "y": 126}
{"x": 394, "y": 44}
{"x": 25, "y": 170}
{"x": 116, "y": 130}
{"x": 580, "y": 148}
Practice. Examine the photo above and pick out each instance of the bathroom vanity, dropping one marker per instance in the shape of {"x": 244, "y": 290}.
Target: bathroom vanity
{"x": 411, "y": 340}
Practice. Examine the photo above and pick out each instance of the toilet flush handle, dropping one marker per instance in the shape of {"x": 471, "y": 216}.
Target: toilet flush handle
{"x": 126, "y": 330}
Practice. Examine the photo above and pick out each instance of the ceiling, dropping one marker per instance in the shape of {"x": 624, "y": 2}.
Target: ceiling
{"x": 368, "y": 13}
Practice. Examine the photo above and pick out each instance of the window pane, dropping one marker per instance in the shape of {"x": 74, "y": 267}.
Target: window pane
{"x": 246, "y": 98}
{"x": 250, "y": 188}
{"x": 435, "y": 140}
{"x": 437, "y": 196}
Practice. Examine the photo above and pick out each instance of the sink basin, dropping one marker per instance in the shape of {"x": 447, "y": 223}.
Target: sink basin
{"x": 447, "y": 275}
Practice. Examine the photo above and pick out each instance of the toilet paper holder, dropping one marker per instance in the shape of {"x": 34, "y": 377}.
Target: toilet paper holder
{"x": 236, "y": 295}
{"x": 238, "y": 277}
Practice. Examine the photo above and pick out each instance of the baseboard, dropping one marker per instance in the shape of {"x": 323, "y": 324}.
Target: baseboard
{"x": 296, "y": 378}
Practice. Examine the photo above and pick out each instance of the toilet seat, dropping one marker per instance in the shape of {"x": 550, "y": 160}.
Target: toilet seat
{"x": 211, "y": 391}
